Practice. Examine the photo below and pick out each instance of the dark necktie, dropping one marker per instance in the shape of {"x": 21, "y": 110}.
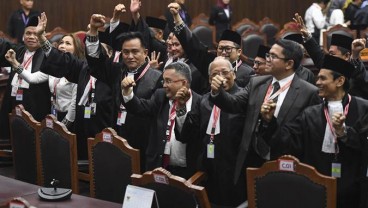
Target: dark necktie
{"x": 276, "y": 87}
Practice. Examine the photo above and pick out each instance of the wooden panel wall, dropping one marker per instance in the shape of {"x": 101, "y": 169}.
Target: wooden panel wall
{"x": 73, "y": 15}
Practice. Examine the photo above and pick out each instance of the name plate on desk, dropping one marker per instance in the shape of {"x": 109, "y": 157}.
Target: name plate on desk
{"x": 139, "y": 197}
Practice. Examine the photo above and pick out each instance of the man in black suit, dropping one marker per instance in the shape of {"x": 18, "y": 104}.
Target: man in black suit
{"x": 220, "y": 134}
{"x": 286, "y": 91}
{"x": 322, "y": 136}
{"x": 34, "y": 97}
{"x": 168, "y": 108}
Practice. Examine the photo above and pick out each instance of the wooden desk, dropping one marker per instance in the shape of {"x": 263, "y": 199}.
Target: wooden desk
{"x": 10, "y": 188}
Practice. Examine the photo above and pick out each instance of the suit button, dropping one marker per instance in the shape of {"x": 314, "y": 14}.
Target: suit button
{"x": 160, "y": 155}
{"x": 163, "y": 141}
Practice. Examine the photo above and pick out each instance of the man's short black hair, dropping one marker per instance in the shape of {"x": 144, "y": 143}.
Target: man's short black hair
{"x": 292, "y": 51}
{"x": 130, "y": 36}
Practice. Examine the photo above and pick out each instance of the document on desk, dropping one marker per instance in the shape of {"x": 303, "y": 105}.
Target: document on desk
{"x": 138, "y": 197}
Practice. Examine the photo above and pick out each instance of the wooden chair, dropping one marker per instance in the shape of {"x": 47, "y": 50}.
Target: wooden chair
{"x": 251, "y": 42}
{"x": 206, "y": 34}
{"x": 291, "y": 25}
{"x": 56, "y": 34}
{"x": 288, "y": 183}
{"x": 245, "y": 25}
{"x": 174, "y": 191}
{"x": 270, "y": 29}
{"x": 200, "y": 18}
{"x": 23, "y": 134}
{"x": 7, "y": 37}
{"x": 112, "y": 162}
{"x": 57, "y": 158}
{"x": 285, "y": 32}
{"x": 337, "y": 29}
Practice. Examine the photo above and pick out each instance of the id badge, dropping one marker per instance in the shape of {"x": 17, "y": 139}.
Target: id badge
{"x": 336, "y": 170}
{"x": 167, "y": 148}
{"x": 53, "y": 110}
{"x": 93, "y": 108}
{"x": 211, "y": 150}
{"x": 19, "y": 96}
{"x": 14, "y": 91}
{"x": 123, "y": 117}
{"x": 87, "y": 112}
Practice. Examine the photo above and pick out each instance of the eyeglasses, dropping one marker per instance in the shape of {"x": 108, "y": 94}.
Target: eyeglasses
{"x": 168, "y": 81}
{"x": 258, "y": 63}
{"x": 227, "y": 49}
{"x": 221, "y": 73}
{"x": 271, "y": 57}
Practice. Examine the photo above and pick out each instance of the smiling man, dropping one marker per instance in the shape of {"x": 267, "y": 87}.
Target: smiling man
{"x": 289, "y": 98}
{"x": 322, "y": 136}
{"x": 168, "y": 108}
{"x": 134, "y": 64}
{"x": 213, "y": 128}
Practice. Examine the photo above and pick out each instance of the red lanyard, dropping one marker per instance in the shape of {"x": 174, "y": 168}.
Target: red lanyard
{"x": 92, "y": 82}
{"x": 346, "y": 110}
{"x": 56, "y": 82}
{"x": 171, "y": 122}
{"x": 281, "y": 90}
{"x": 238, "y": 63}
{"x": 216, "y": 115}
{"x": 25, "y": 65}
{"x": 143, "y": 72}
{"x": 117, "y": 56}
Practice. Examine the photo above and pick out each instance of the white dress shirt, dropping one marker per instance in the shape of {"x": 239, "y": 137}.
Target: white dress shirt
{"x": 314, "y": 18}
{"x": 282, "y": 95}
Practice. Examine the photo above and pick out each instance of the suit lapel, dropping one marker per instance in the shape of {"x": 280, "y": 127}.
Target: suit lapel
{"x": 289, "y": 99}
{"x": 37, "y": 60}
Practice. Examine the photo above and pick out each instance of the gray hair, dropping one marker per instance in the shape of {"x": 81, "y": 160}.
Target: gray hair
{"x": 181, "y": 68}
{"x": 223, "y": 59}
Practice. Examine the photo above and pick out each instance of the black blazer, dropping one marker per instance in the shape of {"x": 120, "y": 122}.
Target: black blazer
{"x": 158, "y": 108}
{"x": 300, "y": 95}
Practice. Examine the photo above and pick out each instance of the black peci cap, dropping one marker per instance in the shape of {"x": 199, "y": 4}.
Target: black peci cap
{"x": 338, "y": 65}
{"x": 231, "y": 36}
{"x": 341, "y": 41}
{"x": 156, "y": 23}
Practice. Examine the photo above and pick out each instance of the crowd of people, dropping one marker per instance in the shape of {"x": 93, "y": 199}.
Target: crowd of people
{"x": 188, "y": 109}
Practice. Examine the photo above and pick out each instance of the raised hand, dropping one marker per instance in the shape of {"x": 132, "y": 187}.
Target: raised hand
{"x": 267, "y": 110}
{"x": 300, "y": 22}
{"x": 174, "y": 8}
{"x": 135, "y": 6}
{"x": 357, "y": 46}
{"x": 127, "y": 85}
{"x": 10, "y": 56}
{"x": 42, "y": 23}
{"x": 118, "y": 11}
{"x": 182, "y": 96}
{"x": 153, "y": 61}
{"x": 96, "y": 21}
